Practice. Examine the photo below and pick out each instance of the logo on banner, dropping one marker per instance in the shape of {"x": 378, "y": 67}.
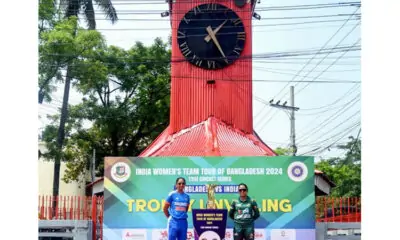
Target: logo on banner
{"x": 134, "y": 234}
{"x": 259, "y": 234}
{"x": 162, "y": 234}
{"x": 159, "y": 234}
{"x": 297, "y": 171}
{"x": 120, "y": 172}
{"x": 190, "y": 234}
{"x": 283, "y": 234}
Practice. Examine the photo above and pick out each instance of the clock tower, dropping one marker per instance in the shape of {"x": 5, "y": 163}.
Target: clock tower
{"x": 211, "y": 81}
{"x": 211, "y": 69}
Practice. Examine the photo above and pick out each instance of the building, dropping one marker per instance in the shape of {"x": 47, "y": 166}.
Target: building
{"x": 46, "y": 173}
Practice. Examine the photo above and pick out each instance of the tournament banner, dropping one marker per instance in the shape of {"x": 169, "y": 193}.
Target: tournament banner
{"x": 135, "y": 190}
{"x": 209, "y": 223}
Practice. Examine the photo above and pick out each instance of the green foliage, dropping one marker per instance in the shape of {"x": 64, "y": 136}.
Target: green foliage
{"x": 126, "y": 101}
{"x": 345, "y": 172}
{"x": 66, "y": 44}
{"x": 85, "y": 8}
{"x": 47, "y": 14}
{"x": 57, "y": 47}
{"x": 62, "y": 51}
{"x": 283, "y": 151}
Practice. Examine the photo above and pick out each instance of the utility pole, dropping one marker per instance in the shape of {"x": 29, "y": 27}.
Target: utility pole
{"x": 292, "y": 119}
{"x": 93, "y": 168}
{"x": 291, "y": 109}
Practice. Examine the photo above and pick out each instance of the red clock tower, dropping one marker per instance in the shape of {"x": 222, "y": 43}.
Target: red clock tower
{"x": 211, "y": 82}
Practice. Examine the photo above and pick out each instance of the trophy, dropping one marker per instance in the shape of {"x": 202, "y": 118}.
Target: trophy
{"x": 210, "y": 223}
{"x": 211, "y": 196}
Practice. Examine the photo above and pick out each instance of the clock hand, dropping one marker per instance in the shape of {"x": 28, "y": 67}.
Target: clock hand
{"x": 210, "y": 31}
{"x": 208, "y": 38}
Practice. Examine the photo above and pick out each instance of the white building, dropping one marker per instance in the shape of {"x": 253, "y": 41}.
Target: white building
{"x": 46, "y": 173}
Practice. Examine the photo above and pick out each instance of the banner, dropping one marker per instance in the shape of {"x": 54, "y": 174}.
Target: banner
{"x": 135, "y": 190}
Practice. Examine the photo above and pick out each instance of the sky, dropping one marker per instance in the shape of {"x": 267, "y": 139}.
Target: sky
{"x": 329, "y": 112}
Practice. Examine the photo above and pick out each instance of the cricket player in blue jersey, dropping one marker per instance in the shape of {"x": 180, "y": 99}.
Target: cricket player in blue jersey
{"x": 175, "y": 209}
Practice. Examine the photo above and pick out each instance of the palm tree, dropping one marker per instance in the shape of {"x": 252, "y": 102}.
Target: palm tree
{"x": 85, "y": 7}
{"x": 74, "y": 8}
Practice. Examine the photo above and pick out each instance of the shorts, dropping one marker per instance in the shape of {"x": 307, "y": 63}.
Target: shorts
{"x": 240, "y": 232}
{"x": 177, "y": 229}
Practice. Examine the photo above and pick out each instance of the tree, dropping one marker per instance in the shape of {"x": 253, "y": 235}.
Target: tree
{"x": 48, "y": 69}
{"x": 127, "y": 102}
{"x": 66, "y": 45}
{"x": 283, "y": 151}
{"x": 49, "y": 15}
{"x": 72, "y": 8}
{"x": 345, "y": 172}
{"x": 85, "y": 7}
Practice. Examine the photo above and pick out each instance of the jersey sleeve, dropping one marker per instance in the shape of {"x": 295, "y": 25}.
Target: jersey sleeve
{"x": 255, "y": 209}
{"x": 169, "y": 198}
{"x": 188, "y": 202}
{"x": 232, "y": 210}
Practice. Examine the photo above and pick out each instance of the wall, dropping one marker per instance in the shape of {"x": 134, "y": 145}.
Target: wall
{"x": 45, "y": 177}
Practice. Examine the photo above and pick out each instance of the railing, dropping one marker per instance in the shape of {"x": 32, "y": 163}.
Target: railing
{"x": 91, "y": 208}
{"x": 73, "y": 208}
{"x": 338, "y": 209}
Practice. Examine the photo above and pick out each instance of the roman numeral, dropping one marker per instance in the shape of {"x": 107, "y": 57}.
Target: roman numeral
{"x": 186, "y": 20}
{"x": 236, "y": 21}
{"x": 198, "y": 62}
{"x": 185, "y": 49}
{"x": 237, "y": 50}
{"x": 241, "y": 36}
{"x": 184, "y": 44}
{"x": 196, "y": 10}
{"x": 211, "y": 7}
{"x": 181, "y": 34}
{"x": 211, "y": 64}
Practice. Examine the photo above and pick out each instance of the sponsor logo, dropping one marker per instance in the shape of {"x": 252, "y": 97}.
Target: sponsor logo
{"x": 134, "y": 234}
{"x": 297, "y": 171}
{"x": 162, "y": 234}
{"x": 259, "y": 234}
{"x": 120, "y": 172}
{"x": 190, "y": 235}
{"x": 159, "y": 234}
{"x": 283, "y": 234}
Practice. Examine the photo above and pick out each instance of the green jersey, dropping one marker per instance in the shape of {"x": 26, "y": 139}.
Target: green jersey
{"x": 244, "y": 212}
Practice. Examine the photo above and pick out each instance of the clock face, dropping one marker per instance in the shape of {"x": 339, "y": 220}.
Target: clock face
{"x": 211, "y": 36}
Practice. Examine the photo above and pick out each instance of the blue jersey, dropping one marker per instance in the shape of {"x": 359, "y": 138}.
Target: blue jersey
{"x": 179, "y": 204}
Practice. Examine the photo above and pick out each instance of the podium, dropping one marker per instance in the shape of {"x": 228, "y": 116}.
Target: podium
{"x": 209, "y": 224}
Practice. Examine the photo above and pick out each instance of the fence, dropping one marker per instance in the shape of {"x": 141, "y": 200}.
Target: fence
{"x": 338, "y": 209}
{"x": 91, "y": 208}
{"x": 73, "y": 208}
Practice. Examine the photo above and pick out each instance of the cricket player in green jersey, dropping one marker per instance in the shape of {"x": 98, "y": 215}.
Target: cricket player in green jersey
{"x": 244, "y": 212}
